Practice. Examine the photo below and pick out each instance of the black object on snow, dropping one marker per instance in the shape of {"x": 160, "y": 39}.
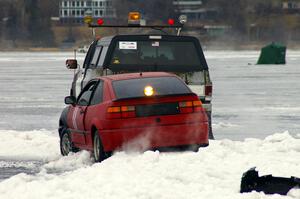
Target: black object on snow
{"x": 267, "y": 184}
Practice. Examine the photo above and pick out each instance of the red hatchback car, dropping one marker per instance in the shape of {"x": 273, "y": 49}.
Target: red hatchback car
{"x": 148, "y": 110}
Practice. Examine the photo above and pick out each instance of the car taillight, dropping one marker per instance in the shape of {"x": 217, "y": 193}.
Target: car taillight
{"x": 208, "y": 90}
{"x": 128, "y": 111}
{"x": 197, "y": 106}
{"x": 190, "y": 106}
{"x": 186, "y": 107}
{"x": 115, "y": 112}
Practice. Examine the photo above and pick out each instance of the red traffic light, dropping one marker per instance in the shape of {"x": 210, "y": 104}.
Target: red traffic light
{"x": 100, "y": 22}
{"x": 171, "y": 22}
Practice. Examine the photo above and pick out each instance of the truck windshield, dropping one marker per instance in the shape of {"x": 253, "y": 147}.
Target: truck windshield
{"x": 156, "y": 55}
{"x": 133, "y": 88}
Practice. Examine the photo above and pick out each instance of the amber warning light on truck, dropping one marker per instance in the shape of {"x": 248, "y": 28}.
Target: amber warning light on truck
{"x": 88, "y": 19}
{"x": 134, "y": 18}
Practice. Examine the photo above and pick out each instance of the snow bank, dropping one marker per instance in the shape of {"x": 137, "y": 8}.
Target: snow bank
{"x": 29, "y": 145}
{"x": 213, "y": 172}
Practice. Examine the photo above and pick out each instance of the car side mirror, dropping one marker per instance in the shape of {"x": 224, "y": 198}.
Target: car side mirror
{"x": 71, "y": 63}
{"x": 70, "y": 100}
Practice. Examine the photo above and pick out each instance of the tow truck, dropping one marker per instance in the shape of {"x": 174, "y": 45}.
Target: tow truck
{"x": 117, "y": 54}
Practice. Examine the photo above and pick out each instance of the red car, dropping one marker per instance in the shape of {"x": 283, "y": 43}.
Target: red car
{"x": 148, "y": 110}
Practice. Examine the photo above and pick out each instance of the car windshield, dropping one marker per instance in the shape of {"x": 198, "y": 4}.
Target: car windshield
{"x": 161, "y": 86}
{"x": 156, "y": 55}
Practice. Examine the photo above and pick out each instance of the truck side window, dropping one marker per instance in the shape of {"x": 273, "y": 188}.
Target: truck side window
{"x": 95, "y": 57}
{"x": 102, "y": 57}
{"x": 98, "y": 94}
{"x": 89, "y": 55}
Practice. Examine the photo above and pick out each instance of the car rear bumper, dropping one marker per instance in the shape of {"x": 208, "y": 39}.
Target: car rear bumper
{"x": 155, "y": 136}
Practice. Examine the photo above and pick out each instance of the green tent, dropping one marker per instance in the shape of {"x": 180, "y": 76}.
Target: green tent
{"x": 273, "y": 53}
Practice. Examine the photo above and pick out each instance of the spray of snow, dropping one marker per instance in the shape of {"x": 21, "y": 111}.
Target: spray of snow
{"x": 68, "y": 163}
{"x": 140, "y": 143}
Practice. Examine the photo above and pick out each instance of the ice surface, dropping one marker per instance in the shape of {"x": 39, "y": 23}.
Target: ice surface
{"x": 248, "y": 100}
{"x": 256, "y": 100}
{"x": 33, "y": 87}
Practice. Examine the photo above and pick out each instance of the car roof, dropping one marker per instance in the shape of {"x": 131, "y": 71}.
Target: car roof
{"x": 126, "y": 76}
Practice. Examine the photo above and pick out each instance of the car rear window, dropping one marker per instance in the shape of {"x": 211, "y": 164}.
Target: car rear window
{"x": 156, "y": 56}
{"x": 133, "y": 88}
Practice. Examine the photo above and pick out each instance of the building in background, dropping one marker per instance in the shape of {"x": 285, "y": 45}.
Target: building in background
{"x": 204, "y": 18}
{"x": 73, "y": 11}
{"x": 291, "y": 6}
{"x": 195, "y": 10}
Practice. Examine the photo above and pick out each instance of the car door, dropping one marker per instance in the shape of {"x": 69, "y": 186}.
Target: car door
{"x": 94, "y": 111}
{"x": 78, "y": 114}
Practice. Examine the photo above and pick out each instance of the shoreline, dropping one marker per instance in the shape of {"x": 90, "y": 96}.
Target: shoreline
{"x": 218, "y": 46}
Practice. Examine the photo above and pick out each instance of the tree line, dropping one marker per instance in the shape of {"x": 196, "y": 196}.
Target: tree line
{"x": 30, "y": 20}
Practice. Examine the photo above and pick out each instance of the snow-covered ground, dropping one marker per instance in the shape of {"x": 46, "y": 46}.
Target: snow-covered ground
{"x": 256, "y": 117}
{"x": 213, "y": 172}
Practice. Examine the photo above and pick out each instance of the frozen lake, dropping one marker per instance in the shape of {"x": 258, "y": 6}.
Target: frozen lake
{"x": 254, "y": 100}
{"x": 33, "y": 87}
{"x": 248, "y": 100}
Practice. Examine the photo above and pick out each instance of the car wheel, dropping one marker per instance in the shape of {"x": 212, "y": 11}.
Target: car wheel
{"x": 194, "y": 147}
{"x": 99, "y": 154}
{"x": 66, "y": 145}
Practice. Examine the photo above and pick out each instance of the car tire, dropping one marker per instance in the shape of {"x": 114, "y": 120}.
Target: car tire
{"x": 194, "y": 147}
{"x": 66, "y": 145}
{"x": 98, "y": 151}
